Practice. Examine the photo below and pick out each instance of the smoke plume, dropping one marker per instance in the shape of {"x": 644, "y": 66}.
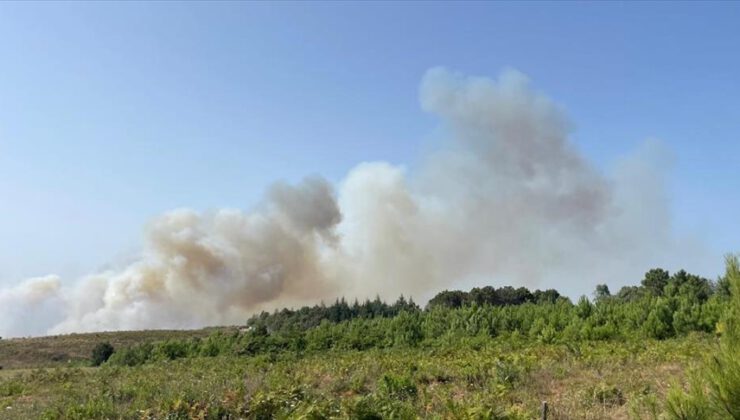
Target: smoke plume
{"x": 505, "y": 200}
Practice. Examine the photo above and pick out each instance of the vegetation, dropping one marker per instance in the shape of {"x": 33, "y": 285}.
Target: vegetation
{"x": 75, "y": 349}
{"x": 486, "y": 353}
{"x": 715, "y": 390}
{"x": 101, "y": 353}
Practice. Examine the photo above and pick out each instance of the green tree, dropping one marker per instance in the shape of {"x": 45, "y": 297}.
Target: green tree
{"x": 584, "y": 308}
{"x": 659, "y": 323}
{"x": 655, "y": 281}
{"x": 546, "y": 296}
{"x": 689, "y": 285}
{"x": 407, "y": 329}
{"x": 630, "y": 293}
{"x": 450, "y": 299}
{"x": 602, "y": 292}
{"x": 721, "y": 373}
{"x": 483, "y": 296}
{"x": 722, "y": 287}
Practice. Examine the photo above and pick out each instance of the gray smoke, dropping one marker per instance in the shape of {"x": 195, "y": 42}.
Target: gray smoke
{"x": 506, "y": 200}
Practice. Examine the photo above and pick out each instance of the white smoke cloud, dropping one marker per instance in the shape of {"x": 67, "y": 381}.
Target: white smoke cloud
{"x": 508, "y": 200}
{"x": 217, "y": 268}
{"x": 30, "y": 307}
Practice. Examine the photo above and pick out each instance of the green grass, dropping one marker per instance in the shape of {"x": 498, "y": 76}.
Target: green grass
{"x": 480, "y": 377}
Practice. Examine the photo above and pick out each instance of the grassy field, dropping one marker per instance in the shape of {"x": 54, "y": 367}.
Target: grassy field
{"x": 75, "y": 349}
{"x": 505, "y": 377}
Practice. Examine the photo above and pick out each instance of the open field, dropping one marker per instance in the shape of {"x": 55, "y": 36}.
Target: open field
{"x": 478, "y": 378}
{"x": 75, "y": 349}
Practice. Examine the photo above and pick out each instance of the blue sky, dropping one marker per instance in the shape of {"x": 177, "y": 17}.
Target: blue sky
{"x": 111, "y": 113}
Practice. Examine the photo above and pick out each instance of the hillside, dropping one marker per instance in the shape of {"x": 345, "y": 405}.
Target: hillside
{"x": 74, "y": 349}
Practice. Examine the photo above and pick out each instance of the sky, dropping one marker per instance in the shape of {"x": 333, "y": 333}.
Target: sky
{"x": 112, "y": 113}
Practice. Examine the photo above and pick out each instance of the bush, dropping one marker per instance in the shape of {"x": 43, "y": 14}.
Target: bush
{"x": 172, "y": 349}
{"x": 11, "y": 388}
{"x": 133, "y": 356}
{"x": 687, "y": 406}
{"x": 101, "y": 353}
{"x": 659, "y": 321}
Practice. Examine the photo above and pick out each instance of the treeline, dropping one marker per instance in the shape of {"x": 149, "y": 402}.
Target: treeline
{"x": 340, "y": 311}
{"x": 663, "y": 306}
{"x": 311, "y": 316}
{"x": 656, "y": 283}
{"x": 488, "y": 295}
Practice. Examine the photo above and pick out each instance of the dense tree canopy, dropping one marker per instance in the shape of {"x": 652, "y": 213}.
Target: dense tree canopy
{"x": 312, "y": 316}
{"x": 489, "y": 295}
{"x": 657, "y": 309}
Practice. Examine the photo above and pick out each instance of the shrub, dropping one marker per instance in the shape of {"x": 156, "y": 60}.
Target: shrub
{"x": 101, "y": 353}
{"x": 687, "y": 406}
{"x": 584, "y": 308}
{"x": 133, "y": 356}
{"x": 172, "y": 349}
{"x": 659, "y": 321}
{"x": 407, "y": 329}
{"x": 11, "y": 388}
